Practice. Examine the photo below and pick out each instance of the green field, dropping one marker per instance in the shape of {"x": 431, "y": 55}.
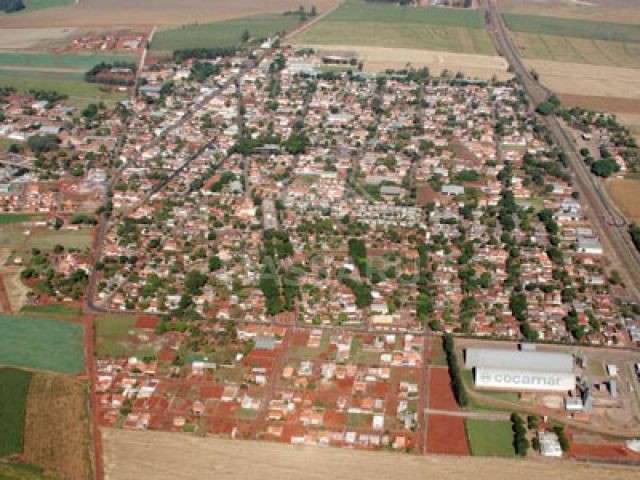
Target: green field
{"x": 41, "y": 344}
{"x": 20, "y": 471}
{"x": 112, "y": 333}
{"x": 490, "y": 438}
{"x": 359, "y": 23}
{"x": 42, "y": 4}
{"x": 222, "y": 34}
{"x": 80, "y": 62}
{"x": 578, "y": 50}
{"x": 72, "y": 84}
{"x": 14, "y": 237}
{"x": 7, "y": 218}
{"x": 620, "y": 32}
{"x": 13, "y": 405}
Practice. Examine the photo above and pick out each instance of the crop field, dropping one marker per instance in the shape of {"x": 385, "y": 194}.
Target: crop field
{"x": 594, "y": 30}
{"x": 579, "y": 50}
{"x": 91, "y": 14}
{"x": 490, "y": 438}
{"x": 589, "y": 80}
{"x": 56, "y": 432}
{"x": 24, "y": 38}
{"x": 41, "y": 4}
{"x": 625, "y": 193}
{"x": 357, "y": 23}
{"x": 222, "y": 34}
{"x": 13, "y": 399}
{"x": 40, "y": 344}
{"x": 596, "y": 10}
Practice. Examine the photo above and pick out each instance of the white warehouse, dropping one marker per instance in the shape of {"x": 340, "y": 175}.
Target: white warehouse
{"x": 522, "y": 371}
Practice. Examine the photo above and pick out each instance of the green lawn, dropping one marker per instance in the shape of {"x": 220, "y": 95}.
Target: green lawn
{"x": 13, "y": 404}
{"x": 489, "y": 438}
{"x": 359, "y": 23}
{"x": 72, "y": 84}
{"x": 222, "y": 34}
{"x": 41, "y": 344}
{"x": 81, "y": 62}
{"x": 621, "y": 32}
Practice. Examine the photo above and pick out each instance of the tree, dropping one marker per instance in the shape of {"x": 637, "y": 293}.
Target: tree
{"x": 245, "y": 36}
{"x": 10, "y": 6}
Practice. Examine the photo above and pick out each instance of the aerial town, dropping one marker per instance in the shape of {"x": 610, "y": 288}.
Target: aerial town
{"x": 272, "y": 244}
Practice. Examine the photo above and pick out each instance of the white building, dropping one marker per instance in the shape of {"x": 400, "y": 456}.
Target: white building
{"x": 549, "y": 444}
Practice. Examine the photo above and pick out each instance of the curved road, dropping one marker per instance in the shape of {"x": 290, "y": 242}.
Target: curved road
{"x": 606, "y": 220}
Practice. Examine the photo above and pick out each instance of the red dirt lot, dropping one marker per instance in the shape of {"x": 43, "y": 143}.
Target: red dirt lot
{"x": 440, "y": 392}
{"x": 446, "y": 435}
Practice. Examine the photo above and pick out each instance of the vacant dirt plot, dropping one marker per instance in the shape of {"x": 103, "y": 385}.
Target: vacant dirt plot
{"x": 603, "y": 104}
{"x": 446, "y": 435}
{"x": 377, "y": 59}
{"x": 131, "y": 455}
{"x": 114, "y": 13}
{"x": 56, "y": 434}
{"x": 625, "y": 193}
{"x": 19, "y": 38}
{"x": 569, "y": 78}
{"x": 440, "y": 392}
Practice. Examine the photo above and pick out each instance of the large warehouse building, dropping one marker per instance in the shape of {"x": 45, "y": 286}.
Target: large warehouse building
{"x": 522, "y": 371}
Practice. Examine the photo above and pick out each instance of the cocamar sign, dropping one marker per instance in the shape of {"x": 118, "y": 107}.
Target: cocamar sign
{"x": 523, "y": 380}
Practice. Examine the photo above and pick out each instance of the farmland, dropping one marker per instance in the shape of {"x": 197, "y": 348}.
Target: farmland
{"x": 446, "y": 435}
{"x": 56, "y": 432}
{"x": 19, "y": 471}
{"x": 42, "y": 4}
{"x": 594, "y": 10}
{"x": 79, "y": 62}
{"x": 41, "y": 344}
{"x": 169, "y": 456}
{"x": 579, "y": 50}
{"x": 7, "y": 218}
{"x": 222, "y": 34}
{"x": 490, "y": 438}
{"x": 357, "y": 23}
{"x": 112, "y": 332}
{"x": 90, "y": 14}
{"x": 13, "y": 398}
{"x": 624, "y": 192}
{"x": 620, "y": 32}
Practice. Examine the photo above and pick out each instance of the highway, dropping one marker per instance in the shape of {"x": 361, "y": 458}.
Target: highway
{"x": 608, "y": 223}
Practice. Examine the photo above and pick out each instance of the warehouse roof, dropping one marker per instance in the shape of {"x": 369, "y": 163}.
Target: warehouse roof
{"x": 518, "y": 360}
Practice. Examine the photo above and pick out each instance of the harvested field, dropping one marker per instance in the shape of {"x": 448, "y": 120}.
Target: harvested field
{"x": 446, "y": 435}
{"x": 578, "y": 50}
{"x": 440, "y": 392}
{"x": 358, "y": 23}
{"x": 602, "y": 104}
{"x": 377, "y": 59}
{"x": 625, "y": 193}
{"x": 490, "y": 438}
{"x": 22, "y": 38}
{"x": 56, "y": 433}
{"x": 563, "y": 77}
{"x": 41, "y": 344}
{"x": 115, "y": 13}
{"x": 222, "y": 34}
{"x": 603, "y": 452}
{"x": 132, "y": 455}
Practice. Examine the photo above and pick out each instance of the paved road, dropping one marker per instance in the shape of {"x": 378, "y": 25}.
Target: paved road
{"x": 606, "y": 220}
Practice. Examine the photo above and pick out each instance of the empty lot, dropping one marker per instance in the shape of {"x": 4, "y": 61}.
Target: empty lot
{"x": 131, "y": 455}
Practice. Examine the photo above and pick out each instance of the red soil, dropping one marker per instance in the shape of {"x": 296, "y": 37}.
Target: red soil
{"x": 440, "y": 392}
{"x": 446, "y": 435}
